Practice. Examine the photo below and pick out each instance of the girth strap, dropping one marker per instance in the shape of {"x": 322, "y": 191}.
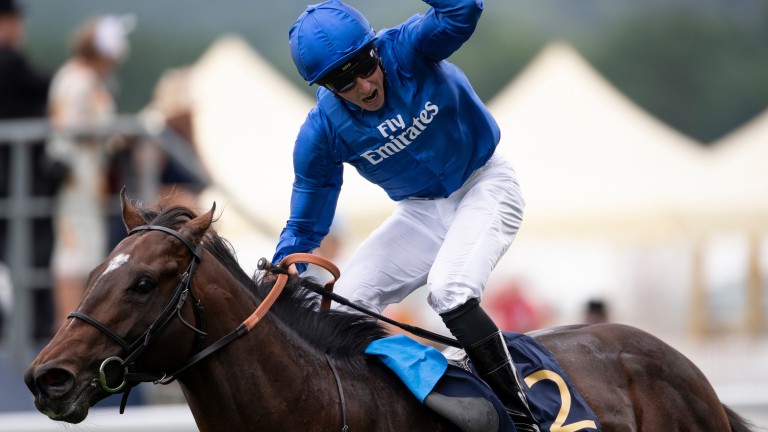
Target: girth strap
{"x": 344, "y": 426}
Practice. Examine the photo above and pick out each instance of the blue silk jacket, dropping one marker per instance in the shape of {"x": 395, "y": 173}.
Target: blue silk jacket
{"x": 431, "y": 134}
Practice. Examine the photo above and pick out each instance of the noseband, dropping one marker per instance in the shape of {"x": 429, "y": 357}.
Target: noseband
{"x": 171, "y": 310}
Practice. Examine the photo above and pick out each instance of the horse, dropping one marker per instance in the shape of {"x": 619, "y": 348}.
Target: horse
{"x": 174, "y": 287}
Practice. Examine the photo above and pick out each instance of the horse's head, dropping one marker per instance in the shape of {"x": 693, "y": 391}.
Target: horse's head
{"x": 134, "y": 304}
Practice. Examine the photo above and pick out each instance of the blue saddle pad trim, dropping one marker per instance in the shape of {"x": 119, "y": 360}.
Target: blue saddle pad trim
{"x": 549, "y": 391}
{"x": 418, "y": 366}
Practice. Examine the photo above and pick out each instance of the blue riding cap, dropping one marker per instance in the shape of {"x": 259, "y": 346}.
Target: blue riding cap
{"x": 325, "y": 36}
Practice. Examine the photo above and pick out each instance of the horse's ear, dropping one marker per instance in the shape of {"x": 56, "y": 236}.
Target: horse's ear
{"x": 195, "y": 229}
{"x": 131, "y": 217}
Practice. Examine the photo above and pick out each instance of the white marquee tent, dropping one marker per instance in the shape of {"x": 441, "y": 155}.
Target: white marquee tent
{"x": 590, "y": 160}
{"x": 598, "y": 170}
{"x": 740, "y": 190}
{"x": 741, "y": 202}
{"x": 245, "y": 116}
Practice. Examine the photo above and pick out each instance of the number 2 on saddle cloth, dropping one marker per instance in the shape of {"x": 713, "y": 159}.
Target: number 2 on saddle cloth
{"x": 448, "y": 384}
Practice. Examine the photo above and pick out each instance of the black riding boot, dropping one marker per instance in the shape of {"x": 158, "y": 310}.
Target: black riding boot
{"x": 487, "y": 350}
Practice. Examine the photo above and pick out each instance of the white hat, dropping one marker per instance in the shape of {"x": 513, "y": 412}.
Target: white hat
{"x": 111, "y": 35}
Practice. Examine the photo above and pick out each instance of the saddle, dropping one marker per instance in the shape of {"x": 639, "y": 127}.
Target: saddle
{"x": 447, "y": 383}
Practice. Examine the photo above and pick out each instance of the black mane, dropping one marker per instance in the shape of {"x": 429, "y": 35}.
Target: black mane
{"x": 340, "y": 334}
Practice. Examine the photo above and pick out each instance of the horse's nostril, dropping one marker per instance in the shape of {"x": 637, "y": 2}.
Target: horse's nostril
{"x": 54, "y": 382}
{"x": 54, "y": 378}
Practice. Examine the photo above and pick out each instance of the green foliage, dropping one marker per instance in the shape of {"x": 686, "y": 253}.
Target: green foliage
{"x": 703, "y": 76}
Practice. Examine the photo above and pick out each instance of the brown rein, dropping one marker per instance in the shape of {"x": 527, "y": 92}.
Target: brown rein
{"x": 282, "y": 278}
{"x": 255, "y": 317}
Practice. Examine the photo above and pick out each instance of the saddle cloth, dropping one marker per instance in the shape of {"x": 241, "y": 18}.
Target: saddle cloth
{"x": 448, "y": 383}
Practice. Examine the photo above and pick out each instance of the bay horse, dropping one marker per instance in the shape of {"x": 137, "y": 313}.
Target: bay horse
{"x": 173, "y": 288}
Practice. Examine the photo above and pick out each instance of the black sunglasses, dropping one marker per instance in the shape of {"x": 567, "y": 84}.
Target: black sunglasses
{"x": 343, "y": 78}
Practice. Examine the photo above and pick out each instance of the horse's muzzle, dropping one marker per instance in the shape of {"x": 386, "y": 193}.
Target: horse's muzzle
{"x": 50, "y": 382}
{"x": 56, "y": 393}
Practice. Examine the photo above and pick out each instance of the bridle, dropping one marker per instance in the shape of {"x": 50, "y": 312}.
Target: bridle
{"x": 173, "y": 309}
{"x": 183, "y": 292}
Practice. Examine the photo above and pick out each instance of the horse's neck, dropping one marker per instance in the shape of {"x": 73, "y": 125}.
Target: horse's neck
{"x": 254, "y": 377}
{"x": 253, "y": 380}
{"x": 272, "y": 379}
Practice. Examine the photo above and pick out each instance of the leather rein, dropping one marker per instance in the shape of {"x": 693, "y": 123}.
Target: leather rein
{"x": 173, "y": 309}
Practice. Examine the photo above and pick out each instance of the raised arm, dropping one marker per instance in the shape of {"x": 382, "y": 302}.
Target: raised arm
{"x": 444, "y": 28}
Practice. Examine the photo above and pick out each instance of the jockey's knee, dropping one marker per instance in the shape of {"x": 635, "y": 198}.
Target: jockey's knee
{"x": 443, "y": 297}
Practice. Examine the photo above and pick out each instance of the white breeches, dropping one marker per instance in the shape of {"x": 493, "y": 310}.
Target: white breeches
{"x": 451, "y": 244}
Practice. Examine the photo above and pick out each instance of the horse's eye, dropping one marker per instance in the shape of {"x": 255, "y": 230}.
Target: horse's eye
{"x": 145, "y": 285}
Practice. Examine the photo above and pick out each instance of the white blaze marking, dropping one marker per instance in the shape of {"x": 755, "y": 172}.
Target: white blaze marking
{"x": 116, "y": 263}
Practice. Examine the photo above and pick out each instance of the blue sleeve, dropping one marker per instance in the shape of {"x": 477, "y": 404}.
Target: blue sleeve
{"x": 316, "y": 187}
{"x": 443, "y": 29}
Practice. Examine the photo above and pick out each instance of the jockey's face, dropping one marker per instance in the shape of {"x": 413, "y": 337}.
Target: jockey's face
{"x": 368, "y": 92}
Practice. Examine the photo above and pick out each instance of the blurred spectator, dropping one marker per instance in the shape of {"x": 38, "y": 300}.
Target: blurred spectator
{"x": 23, "y": 95}
{"x": 512, "y": 310}
{"x": 596, "y": 312}
{"x": 81, "y": 108}
{"x": 23, "y": 87}
{"x": 146, "y": 166}
{"x": 171, "y": 109}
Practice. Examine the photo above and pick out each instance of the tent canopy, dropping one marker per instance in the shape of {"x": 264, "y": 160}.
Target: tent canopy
{"x": 591, "y": 162}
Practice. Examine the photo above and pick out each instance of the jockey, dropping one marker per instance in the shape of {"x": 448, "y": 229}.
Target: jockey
{"x": 391, "y": 106}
